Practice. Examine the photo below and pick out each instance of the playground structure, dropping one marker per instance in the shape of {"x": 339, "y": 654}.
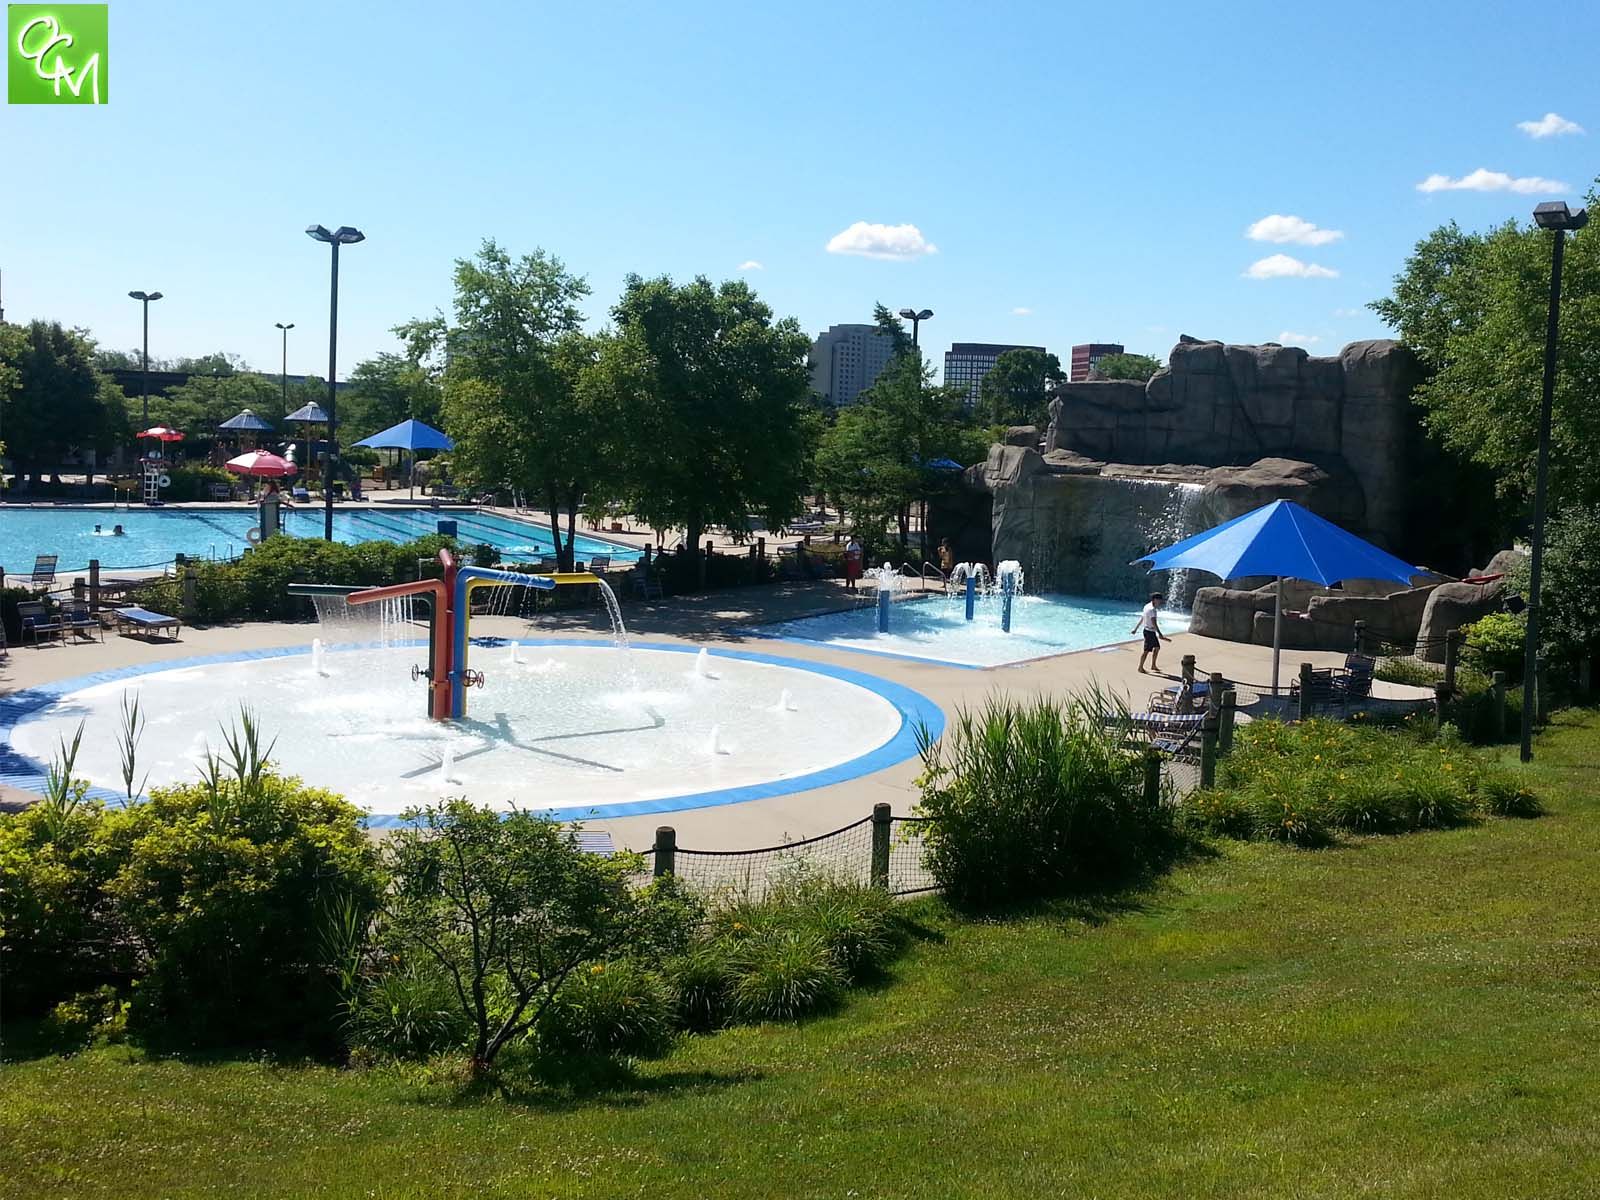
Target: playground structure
{"x": 449, "y": 618}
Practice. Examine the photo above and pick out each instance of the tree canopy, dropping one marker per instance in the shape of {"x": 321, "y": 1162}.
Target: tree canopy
{"x": 711, "y": 394}
{"x": 1473, "y": 306}
{"x": 58, "y": 404}
{"x": 1137, "y": 367}
{"x": 1016, "y": 391}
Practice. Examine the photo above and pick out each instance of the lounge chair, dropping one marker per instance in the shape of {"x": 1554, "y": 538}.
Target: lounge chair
{"x": 600, "y": 562}
{"x": 646, "y": 585}
{"x": 75, "y": 615}
{"x": 35, "y": 619}
{"x": 1324, "y": 689}
{"x": 1354, "y": 680}
{"x": 1172, "y": 734}
{"x": 142, "y": 620}
{"x": 44, "y": 573}
{"x": 221, "y": 491}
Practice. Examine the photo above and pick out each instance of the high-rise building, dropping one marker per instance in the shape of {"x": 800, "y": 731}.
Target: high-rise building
{"x": 1086, "y": 356}
{"x": 846, "y": 360}
{"x": 966, "y": 363}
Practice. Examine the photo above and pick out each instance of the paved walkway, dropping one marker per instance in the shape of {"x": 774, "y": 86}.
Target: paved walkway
{"x": 714, "y": 620}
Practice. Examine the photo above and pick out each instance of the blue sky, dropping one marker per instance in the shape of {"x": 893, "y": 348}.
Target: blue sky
{"x": 1085, "y": 173}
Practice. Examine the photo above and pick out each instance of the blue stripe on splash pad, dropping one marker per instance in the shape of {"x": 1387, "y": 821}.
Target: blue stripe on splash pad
{"x": 916, "y": 711}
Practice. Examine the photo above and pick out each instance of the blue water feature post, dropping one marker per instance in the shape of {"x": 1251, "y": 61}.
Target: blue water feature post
{"x": 972, "y": 594}
{"x": 1008, "y": 584}
{"x": 884, "y": 599}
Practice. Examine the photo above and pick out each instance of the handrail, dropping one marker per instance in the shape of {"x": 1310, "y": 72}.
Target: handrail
{"x": 944, "y": 580}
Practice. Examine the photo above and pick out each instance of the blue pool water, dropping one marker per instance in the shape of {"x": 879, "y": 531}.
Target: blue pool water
{"x": 154, "y": 535}
{"x": 936, "y": 628}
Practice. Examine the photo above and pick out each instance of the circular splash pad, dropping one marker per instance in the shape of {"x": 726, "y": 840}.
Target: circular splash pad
{"x": 582, "y": 729}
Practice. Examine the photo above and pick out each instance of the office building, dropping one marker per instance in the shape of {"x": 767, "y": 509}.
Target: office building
{"x": 1086, "y": 356}
{"x": 846, "y": 360}
{"x": 966, "y": 363}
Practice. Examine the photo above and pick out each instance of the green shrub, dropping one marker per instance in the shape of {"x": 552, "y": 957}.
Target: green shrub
{"x": 225, "y": 886}
{"x": 610, "y": 1008}
{"x": 784, "y": 974}
{"x": 98, "y": 1015}
{"x": 190, "y": 483}
{"x": 408, "y": 1012}
{"x": 1033, "y": 800}
{"x": 1303, "y": 783}
{"x": 702, "y": 982}
{"x": 1495, "y": 643}
{"x": 1471, "y": 710}
{"x": 1409, "y": 672}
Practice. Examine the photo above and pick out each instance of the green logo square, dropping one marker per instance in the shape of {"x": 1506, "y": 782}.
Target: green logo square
{"x": 57, "y": 53}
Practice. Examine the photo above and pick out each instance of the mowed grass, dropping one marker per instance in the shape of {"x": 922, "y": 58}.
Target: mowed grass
{"x": 1396, "y": 1017}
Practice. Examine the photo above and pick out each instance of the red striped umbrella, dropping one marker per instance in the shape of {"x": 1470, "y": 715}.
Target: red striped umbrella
{"x": 259, "y": 462}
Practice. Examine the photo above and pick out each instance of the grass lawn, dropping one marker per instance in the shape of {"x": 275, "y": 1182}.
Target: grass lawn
{"x": 1410, "y": 1016}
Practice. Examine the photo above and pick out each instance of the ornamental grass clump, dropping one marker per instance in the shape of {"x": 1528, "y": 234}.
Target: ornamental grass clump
{"x": 1036, "y": 799}
{"x": 1305, "y": 783}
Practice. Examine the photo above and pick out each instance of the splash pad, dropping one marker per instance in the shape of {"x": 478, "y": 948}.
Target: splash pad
{"x": 580, "y": 728}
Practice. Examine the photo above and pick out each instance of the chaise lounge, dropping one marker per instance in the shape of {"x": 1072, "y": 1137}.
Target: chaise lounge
{"x": 142, "y": 620}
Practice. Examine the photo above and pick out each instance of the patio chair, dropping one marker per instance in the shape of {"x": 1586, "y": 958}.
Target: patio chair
{"x": 645, "y": 584}
{"x": 221, "y": 491}
{"x": 36, "y": 619}
{"x": 1354, "y": 680}
{"x": 75, "y": 616}
{"x": 600, "y": 562}
{"x": 1172, "y": 734}
{"x": 1324, "y": 690}
{"x": 142, "y": 620}
{"x": 44, "y": 573}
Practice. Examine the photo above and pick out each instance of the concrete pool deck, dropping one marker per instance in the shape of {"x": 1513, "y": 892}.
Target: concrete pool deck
{"x": 715, "y": 620}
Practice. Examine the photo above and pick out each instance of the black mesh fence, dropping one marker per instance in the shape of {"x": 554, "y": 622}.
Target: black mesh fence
{"x": 908, "y": 871}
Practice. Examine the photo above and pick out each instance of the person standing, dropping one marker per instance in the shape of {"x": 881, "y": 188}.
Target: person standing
{"x": 1153, "y": 637}
{"x": 852, "y": 563}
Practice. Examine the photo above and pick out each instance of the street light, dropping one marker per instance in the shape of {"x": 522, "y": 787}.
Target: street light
{"x": 285, "y": 328}
{"x": 916, "y": 318}
{"x": 343, "y": 236}
{"x": 144, "y": 298}
{"x": 1556, "y": 217}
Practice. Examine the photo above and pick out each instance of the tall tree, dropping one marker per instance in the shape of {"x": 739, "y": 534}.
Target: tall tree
{"x": 386, "y": 390}
{"x": 1016, "y": 391}
{"x": 1137, "y": 367}
{"x": 511, "y": 398}
{"x": 60, "y": 404}
{"x": 1473, "y": 306}
{"x": 877, "y": 456}
{"x": 711, "y": 393}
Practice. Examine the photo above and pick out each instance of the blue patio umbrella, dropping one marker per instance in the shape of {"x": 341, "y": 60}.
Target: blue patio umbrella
{"x": 1286, "y": 541}
{"x": 411, "y": 435}
{"x": 246, "y": 420}
{"x": 945, "y": 464}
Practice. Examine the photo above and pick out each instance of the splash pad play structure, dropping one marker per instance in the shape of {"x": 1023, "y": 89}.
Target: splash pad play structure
{"x": 583, "y": 728}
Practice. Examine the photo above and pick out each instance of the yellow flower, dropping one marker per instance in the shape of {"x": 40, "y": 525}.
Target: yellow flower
{"x": 597, "y": 969}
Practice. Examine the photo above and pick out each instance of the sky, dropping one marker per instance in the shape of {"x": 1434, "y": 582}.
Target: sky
{"x": 1034, "y": 173}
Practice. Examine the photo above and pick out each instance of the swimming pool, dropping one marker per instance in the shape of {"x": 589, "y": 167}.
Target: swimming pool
{"x": 936, "y": 628}
{"x": 154, "y": 535}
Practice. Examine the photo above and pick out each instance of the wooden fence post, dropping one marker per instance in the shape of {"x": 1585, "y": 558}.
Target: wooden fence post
{"x": 1305, "y": 691}
{"x": 1186, "y": 669}
{"x": 1214, "y": 687}
{"x": 1230, "y": 709}
{"x": 1208, "y": 749}
{"x": 665, "y": 850}
{"x": 1452, "y": 656}
{"x": 1152, "y": 778}
{"x": 1499, "y": 692}
{"x": 1360, "y": 632}
{"x": 881, "y": 822}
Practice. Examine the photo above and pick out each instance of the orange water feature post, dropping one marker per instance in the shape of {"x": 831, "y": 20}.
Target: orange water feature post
{"x": 441, "y": 627}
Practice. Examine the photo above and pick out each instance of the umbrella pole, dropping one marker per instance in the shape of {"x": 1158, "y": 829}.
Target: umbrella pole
{"x": 1277, "y": 633}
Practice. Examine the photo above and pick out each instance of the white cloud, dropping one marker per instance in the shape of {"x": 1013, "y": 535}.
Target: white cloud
{"x": 870, "y": 240}
{"x": 751, "y": 264}
{"x": 1022, "y": 310}
{"x": 1290, "y": 338}
{"x": 1298, "y": 230}
{"x": 1484, "y": 180}
{"x": 1549, "y": 125}
{"x": 1283, "y": 266}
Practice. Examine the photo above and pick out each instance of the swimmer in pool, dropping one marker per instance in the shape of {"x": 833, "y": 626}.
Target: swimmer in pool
{"x": 118, "y": 531}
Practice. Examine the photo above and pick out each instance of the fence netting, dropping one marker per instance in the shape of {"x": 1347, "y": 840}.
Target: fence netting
{"x": 908, "y": 871}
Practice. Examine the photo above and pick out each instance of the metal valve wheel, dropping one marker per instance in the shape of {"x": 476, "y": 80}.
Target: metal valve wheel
{"x": 471, "y": 678}
{"x": 420, "y": 672}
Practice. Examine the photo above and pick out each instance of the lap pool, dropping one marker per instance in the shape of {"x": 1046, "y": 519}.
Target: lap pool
{"x": 153, "y": 535}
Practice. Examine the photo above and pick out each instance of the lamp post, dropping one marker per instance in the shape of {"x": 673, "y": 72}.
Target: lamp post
{"x": 916, "y": 318}
{"x": 285, "y": 375}
{"x": 343, "y": 236}
{"x": 144, "y": 298}
{"x": 1556, "y": 217}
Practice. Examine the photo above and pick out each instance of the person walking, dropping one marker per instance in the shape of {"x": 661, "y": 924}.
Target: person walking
{"x": 1153, "y": 637}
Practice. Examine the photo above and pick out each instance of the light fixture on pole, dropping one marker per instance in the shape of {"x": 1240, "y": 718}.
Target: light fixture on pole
{"x": 343, "y": 236}
{"x": 916, "y": 318}
{"x": 1559, "y": 219}
{"x": 285, "y": 328}
{"x": 145, "y": 298}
